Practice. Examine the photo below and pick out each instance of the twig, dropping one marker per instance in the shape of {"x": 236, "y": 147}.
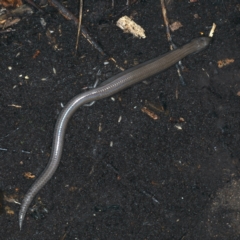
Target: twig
{"x": 79, "y": 25}
{"x": 212, "y": 30}
{"x": 69, "y": 16}
{"x": 172, "y": 45}
{"x": 34, "y": 5}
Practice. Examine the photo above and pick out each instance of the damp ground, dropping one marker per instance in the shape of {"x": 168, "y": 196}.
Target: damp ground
{"x": 123, "y": 175}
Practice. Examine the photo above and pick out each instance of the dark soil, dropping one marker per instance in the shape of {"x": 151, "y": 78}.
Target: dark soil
{"x": 156, "y": 181}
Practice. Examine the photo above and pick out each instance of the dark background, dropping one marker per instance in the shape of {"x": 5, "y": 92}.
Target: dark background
{"x": 155, "y": 182}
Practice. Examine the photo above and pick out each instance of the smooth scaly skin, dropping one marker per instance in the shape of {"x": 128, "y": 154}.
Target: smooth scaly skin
{"x": 109, "y": 87}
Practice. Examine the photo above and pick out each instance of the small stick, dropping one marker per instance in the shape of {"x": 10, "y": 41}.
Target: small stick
{"x": 164, "y": 12}
{"x": 172, "y": 45}
{"x": 79, "y": 25}
{"x": 212, "y": 30}
{"x": 33, "y": 4}
{"x": 69, "y": 16}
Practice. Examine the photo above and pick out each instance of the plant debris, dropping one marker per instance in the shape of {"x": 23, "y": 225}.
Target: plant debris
{"x": 129, "y": 26}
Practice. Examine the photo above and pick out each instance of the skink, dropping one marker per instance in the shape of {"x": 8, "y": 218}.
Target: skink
{"x": 109, "y": 87}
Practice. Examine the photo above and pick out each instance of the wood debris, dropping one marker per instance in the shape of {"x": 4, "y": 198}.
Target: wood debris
{"x": 11, "y": 199}
{"x": 11, "y": 3}
{"x": 225, "y": 62}
{"x": 9, "y": 211}
{"x": 11, "y": 17}
{"x": 28, "y": 175}
{"x": 129, "y": 26}
{"x": 14, "y": 105}
{"x": 212, "y": 30}
{"x": 150, "y": 113}
{"x": 36, "y": 54}
{"x": 175, "y": 26}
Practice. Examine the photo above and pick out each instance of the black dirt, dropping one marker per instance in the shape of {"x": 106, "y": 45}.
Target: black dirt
{"x": 172, "y": 178}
